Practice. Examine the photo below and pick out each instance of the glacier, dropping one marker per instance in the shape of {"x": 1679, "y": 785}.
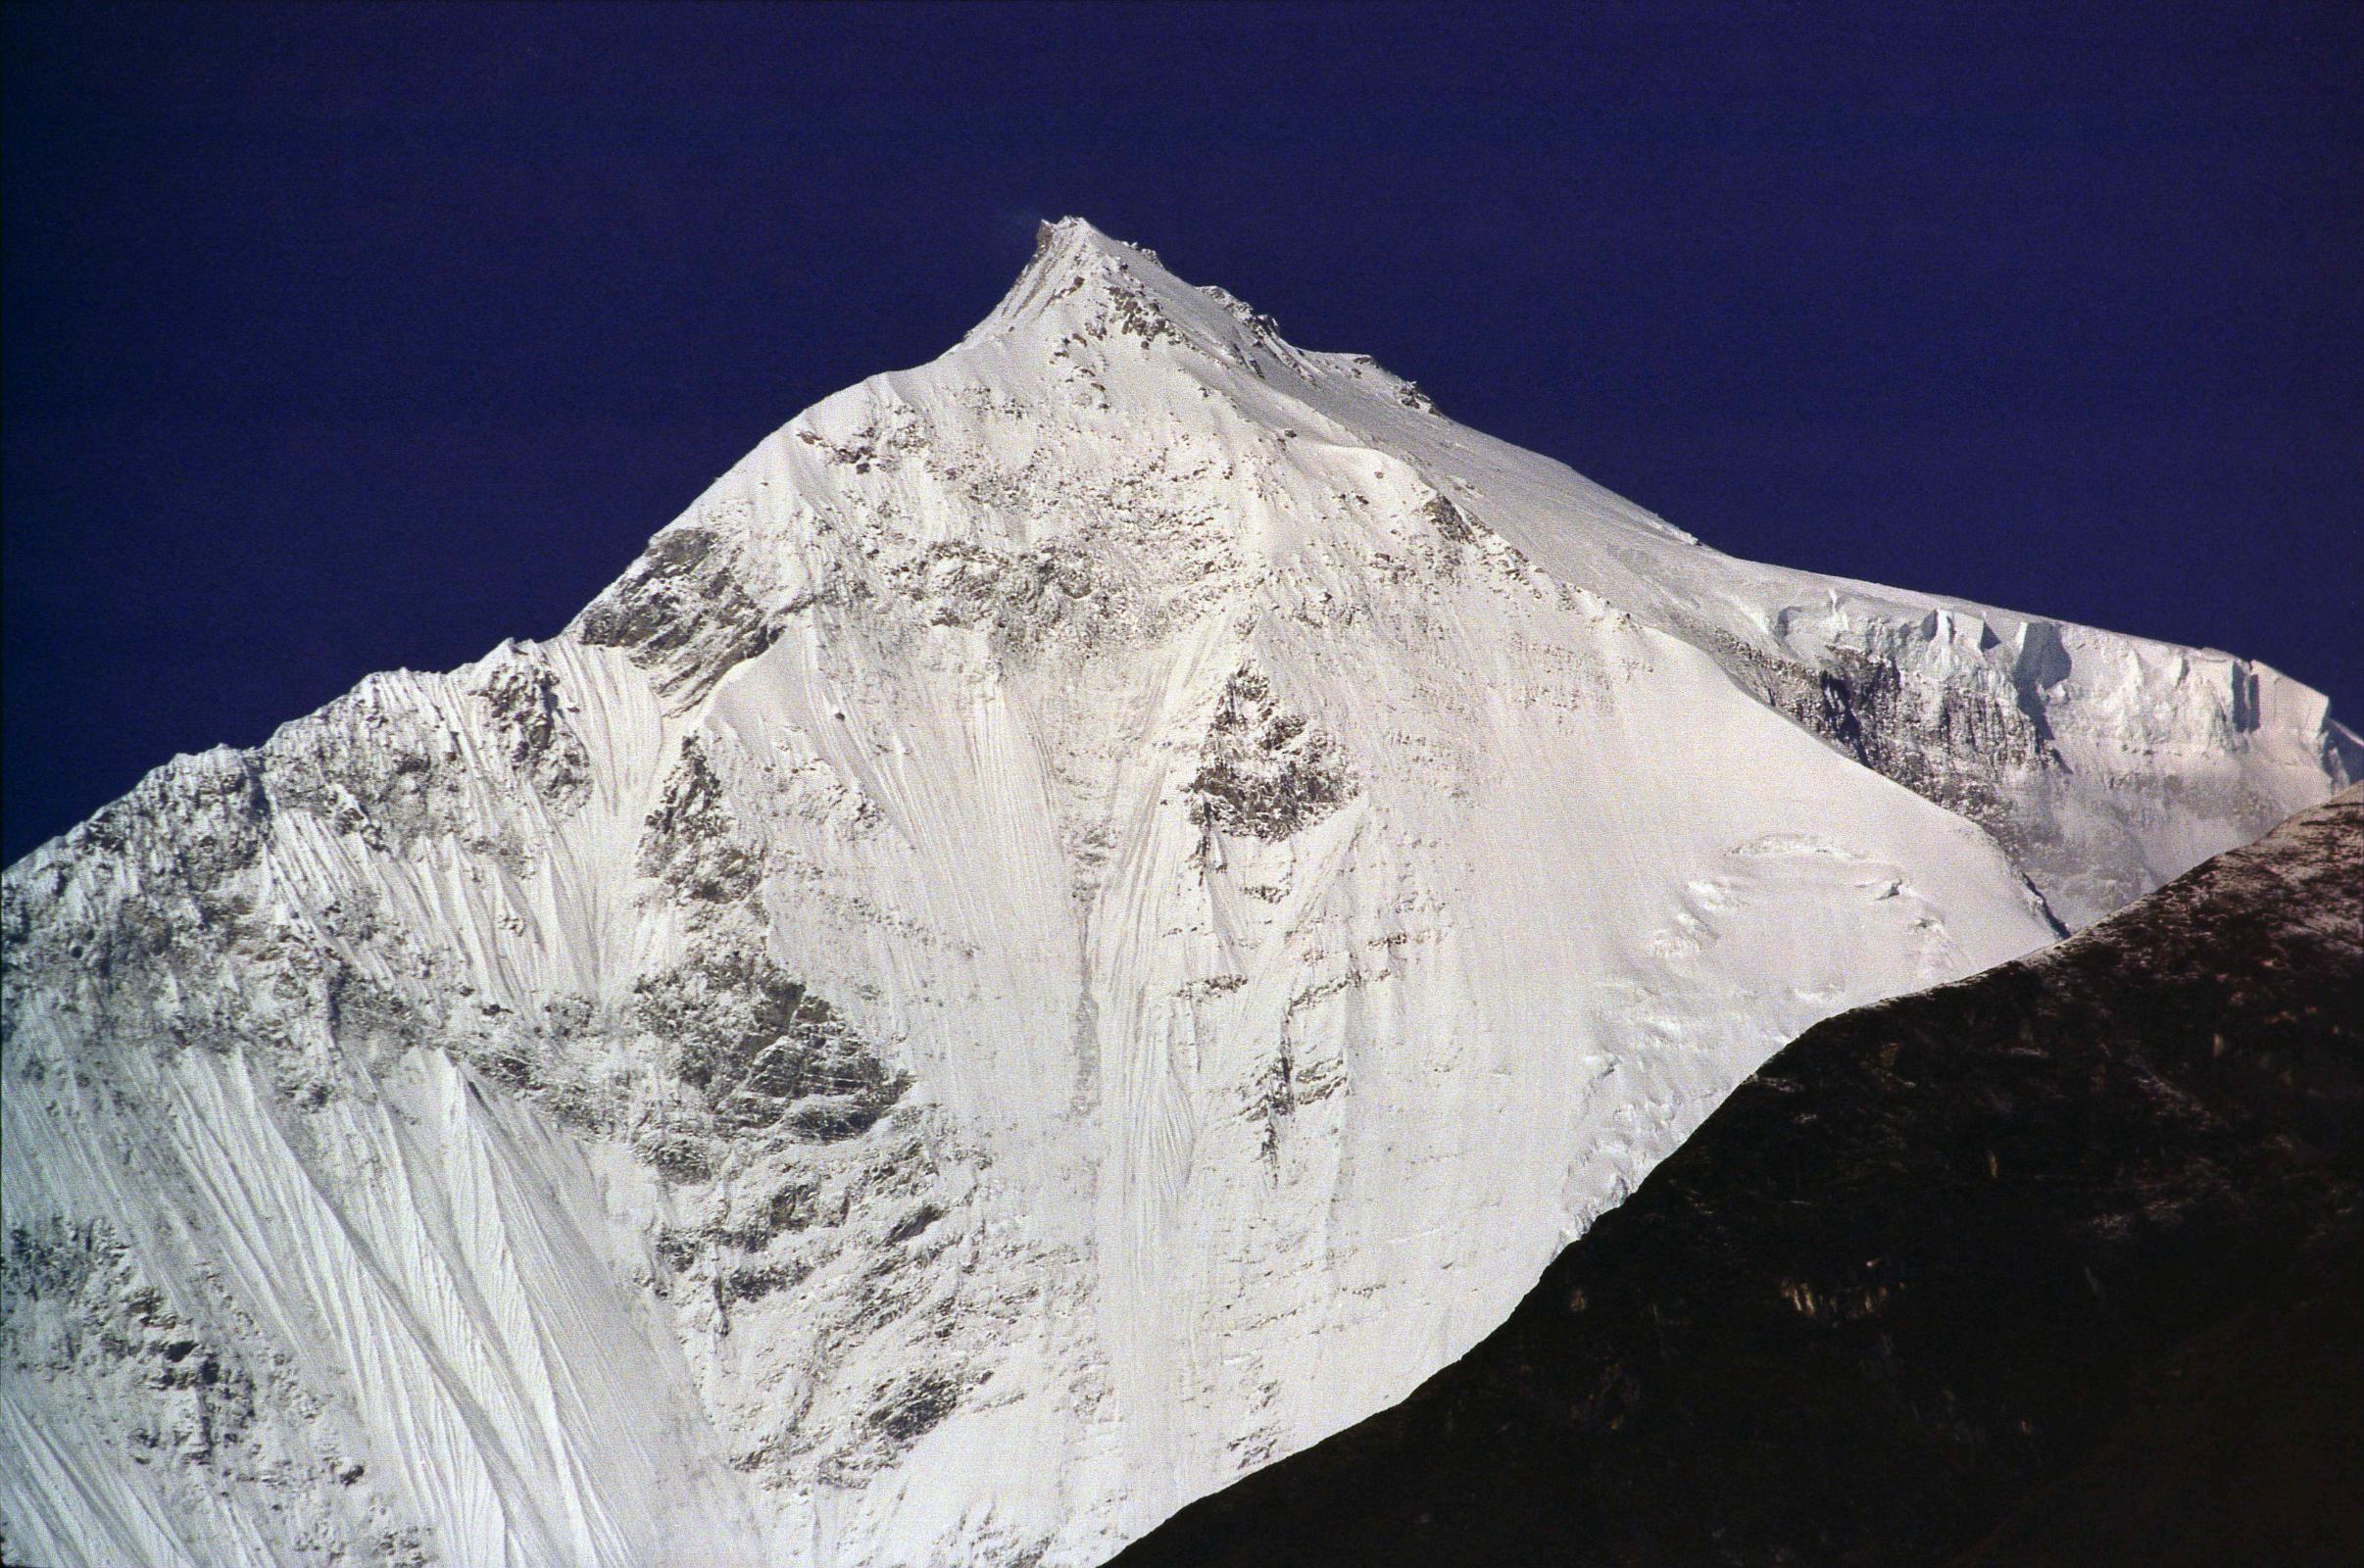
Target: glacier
{"x": 1090, "y": 914}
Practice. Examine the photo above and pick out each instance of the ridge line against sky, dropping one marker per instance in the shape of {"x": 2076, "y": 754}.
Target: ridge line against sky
{"x": 341, "y": 339}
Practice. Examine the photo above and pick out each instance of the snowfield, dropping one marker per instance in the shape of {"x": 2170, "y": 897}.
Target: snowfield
{"x": 1091, "y": 913}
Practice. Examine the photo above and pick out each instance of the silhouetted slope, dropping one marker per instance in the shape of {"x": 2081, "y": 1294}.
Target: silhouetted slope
{"x": 2055, "y": 1264}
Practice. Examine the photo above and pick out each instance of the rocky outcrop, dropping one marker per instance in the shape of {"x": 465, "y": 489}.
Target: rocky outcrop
{"x": 1264, "y": 773}
{"x": 681, "y": 613}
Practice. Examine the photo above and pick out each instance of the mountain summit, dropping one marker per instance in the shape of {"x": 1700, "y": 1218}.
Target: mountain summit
{"x": 1091, "y": 913}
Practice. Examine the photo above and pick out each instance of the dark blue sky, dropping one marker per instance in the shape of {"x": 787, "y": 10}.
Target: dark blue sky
{"x": 338, "y": 339}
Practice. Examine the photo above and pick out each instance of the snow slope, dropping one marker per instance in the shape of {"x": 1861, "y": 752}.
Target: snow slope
{"x": 1092, "y": 913}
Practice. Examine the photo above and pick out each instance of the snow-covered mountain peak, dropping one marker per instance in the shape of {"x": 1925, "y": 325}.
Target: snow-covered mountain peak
{"x": 1084, "y": 289}
{"x": 1077, "y": 270}
{"x": 1071, "y": 255}
{"x": 1111, "y": 423}
{"x": 1092, "y": 911}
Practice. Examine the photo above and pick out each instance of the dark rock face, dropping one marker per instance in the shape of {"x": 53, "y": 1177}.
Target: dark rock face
{"x": 680, "y": 613}
{"x": 527, "y": 708}
{"x": 690, "y": 841}
{"x": 764, "y": 1052}
{"x": 1947, "y": 743}
{"x": 1264, "y": 773}
{"x": 2059, "y": 1264}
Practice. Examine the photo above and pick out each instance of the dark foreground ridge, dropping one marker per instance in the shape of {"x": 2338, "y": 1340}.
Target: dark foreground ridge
{"x": 2058, "y": 1265}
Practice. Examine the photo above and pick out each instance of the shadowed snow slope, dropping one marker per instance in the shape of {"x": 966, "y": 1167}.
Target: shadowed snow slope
{"x": 1091, "y": 913}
